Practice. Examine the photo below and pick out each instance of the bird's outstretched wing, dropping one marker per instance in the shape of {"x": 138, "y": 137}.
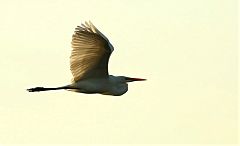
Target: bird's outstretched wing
{"x": 90, "y": 54}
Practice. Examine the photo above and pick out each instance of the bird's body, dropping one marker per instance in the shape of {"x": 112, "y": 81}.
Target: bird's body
{"x": 110, "y": 86}
{"x": 89, "y": 65}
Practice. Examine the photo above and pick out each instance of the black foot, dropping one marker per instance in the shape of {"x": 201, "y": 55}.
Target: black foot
{"x": 37, "y": 89}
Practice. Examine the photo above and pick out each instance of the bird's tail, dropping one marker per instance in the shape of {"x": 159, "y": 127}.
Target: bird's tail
{"x": 38, "y": 89}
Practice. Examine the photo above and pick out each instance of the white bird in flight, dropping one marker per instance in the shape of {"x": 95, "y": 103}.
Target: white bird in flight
{"x": 89, "y": 65}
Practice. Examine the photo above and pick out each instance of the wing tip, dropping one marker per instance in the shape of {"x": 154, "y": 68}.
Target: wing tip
{"x": 87, "y": 26}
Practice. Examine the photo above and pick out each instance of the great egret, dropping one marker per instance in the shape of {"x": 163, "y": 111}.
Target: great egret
{"x": 89, "y": 65}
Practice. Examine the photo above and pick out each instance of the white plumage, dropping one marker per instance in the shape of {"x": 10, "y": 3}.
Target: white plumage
{"x": 89, "y": 64}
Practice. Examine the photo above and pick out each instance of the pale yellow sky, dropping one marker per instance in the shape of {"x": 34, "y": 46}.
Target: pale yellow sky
{"x": 186, "y": 49}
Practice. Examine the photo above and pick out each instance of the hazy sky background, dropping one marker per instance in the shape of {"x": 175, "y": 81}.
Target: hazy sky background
{"x": 186, "y": 49}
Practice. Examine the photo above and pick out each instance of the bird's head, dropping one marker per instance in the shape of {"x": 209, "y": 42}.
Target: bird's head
{"x": 124, "y": 79}
{"x": 128, "y": 79}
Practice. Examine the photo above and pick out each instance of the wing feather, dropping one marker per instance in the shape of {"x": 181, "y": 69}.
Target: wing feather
{"x": 90, "y": 53}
